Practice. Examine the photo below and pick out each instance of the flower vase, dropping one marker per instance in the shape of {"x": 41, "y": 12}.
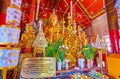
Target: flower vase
{"x": 81, "y": 62}
{"x": 89, "y": 63}
{"x": 66, "y": 64}
{"x": 59, "y": 65}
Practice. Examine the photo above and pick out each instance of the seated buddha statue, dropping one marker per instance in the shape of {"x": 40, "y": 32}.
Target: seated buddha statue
{"x": 51, "y": 31}
{"x": 27, "y": 38}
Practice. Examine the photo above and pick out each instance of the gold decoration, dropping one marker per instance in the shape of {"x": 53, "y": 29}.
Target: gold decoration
{"x": 27, "y": 37}
{"x": 4, "y": 73}
{"x": 92, "y": 12}
{"x": 14, "y": 6}
{"x": 82, "y": 0}
{"x": 63, "y": 26}
{"x": 72, "y": 42}
{"x": 51, "y": 31}
{"x": 89, "y": 13}
{"x": 10, "y": 48}
{"x": 40, "y": 43}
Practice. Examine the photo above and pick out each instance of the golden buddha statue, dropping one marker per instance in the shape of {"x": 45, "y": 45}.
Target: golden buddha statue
{"x": 51, "y": 30}
{"x": 27, "y": 38}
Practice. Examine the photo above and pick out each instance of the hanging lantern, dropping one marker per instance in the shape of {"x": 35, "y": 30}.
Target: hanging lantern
{"x": 8, "y": 34}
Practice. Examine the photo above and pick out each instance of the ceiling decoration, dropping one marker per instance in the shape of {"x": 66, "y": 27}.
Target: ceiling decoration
{"x": 80, "y": 17}
{"x": 84, "y": 11}
{"x": 93, "y": 8}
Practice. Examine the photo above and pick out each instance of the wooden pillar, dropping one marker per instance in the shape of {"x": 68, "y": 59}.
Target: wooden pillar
{"x": 113, "y": 25}
{"x": 117, "y": 6}
{"x": 3, "y": 8}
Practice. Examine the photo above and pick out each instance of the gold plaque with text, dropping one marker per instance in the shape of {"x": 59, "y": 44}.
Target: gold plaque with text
{"x": 38, "y": 67}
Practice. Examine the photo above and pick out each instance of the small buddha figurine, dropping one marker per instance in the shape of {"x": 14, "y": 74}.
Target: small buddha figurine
{"x": 27, "y": 38}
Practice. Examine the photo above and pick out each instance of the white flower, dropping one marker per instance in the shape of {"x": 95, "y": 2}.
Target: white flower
{"x": 59, "y": 46}
{"x": 67, "y": 47}
{"x": 63, "y": 46}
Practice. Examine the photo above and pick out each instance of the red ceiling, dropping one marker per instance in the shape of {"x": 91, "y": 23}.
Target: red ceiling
{"x": 93, "y": 8}
{"x": 84, "y": 11}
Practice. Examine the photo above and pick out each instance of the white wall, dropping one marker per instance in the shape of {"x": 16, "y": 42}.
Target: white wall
{"x": 100, "y": 25}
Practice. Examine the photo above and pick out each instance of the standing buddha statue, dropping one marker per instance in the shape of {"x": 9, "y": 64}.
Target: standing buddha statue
{"x": 51, "y": 30}
{"x": 27, "y": 38}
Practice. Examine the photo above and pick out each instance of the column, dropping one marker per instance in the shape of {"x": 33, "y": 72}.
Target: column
{"x": 3, "y": 8}
{"x": 9, "y": 36}
{"x": 112, "y": 25}
{"x": 117, "y": 6}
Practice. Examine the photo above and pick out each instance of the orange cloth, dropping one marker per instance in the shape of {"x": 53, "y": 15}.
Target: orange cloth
{"x": 113, "y": 62}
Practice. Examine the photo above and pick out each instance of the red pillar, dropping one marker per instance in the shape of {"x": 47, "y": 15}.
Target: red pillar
{"x": 114, "y": 39}
{"x": 118, "y": 13}
{"x": 3, "y": 8}
{"x": 113, "y": 25}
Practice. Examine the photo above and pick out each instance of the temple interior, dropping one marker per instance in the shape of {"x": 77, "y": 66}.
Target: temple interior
{"x": 59, "y": 39}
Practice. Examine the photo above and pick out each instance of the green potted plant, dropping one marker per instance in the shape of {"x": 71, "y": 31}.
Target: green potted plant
{"x": 89, "y": 53}
{"x": 57, "y": 50}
